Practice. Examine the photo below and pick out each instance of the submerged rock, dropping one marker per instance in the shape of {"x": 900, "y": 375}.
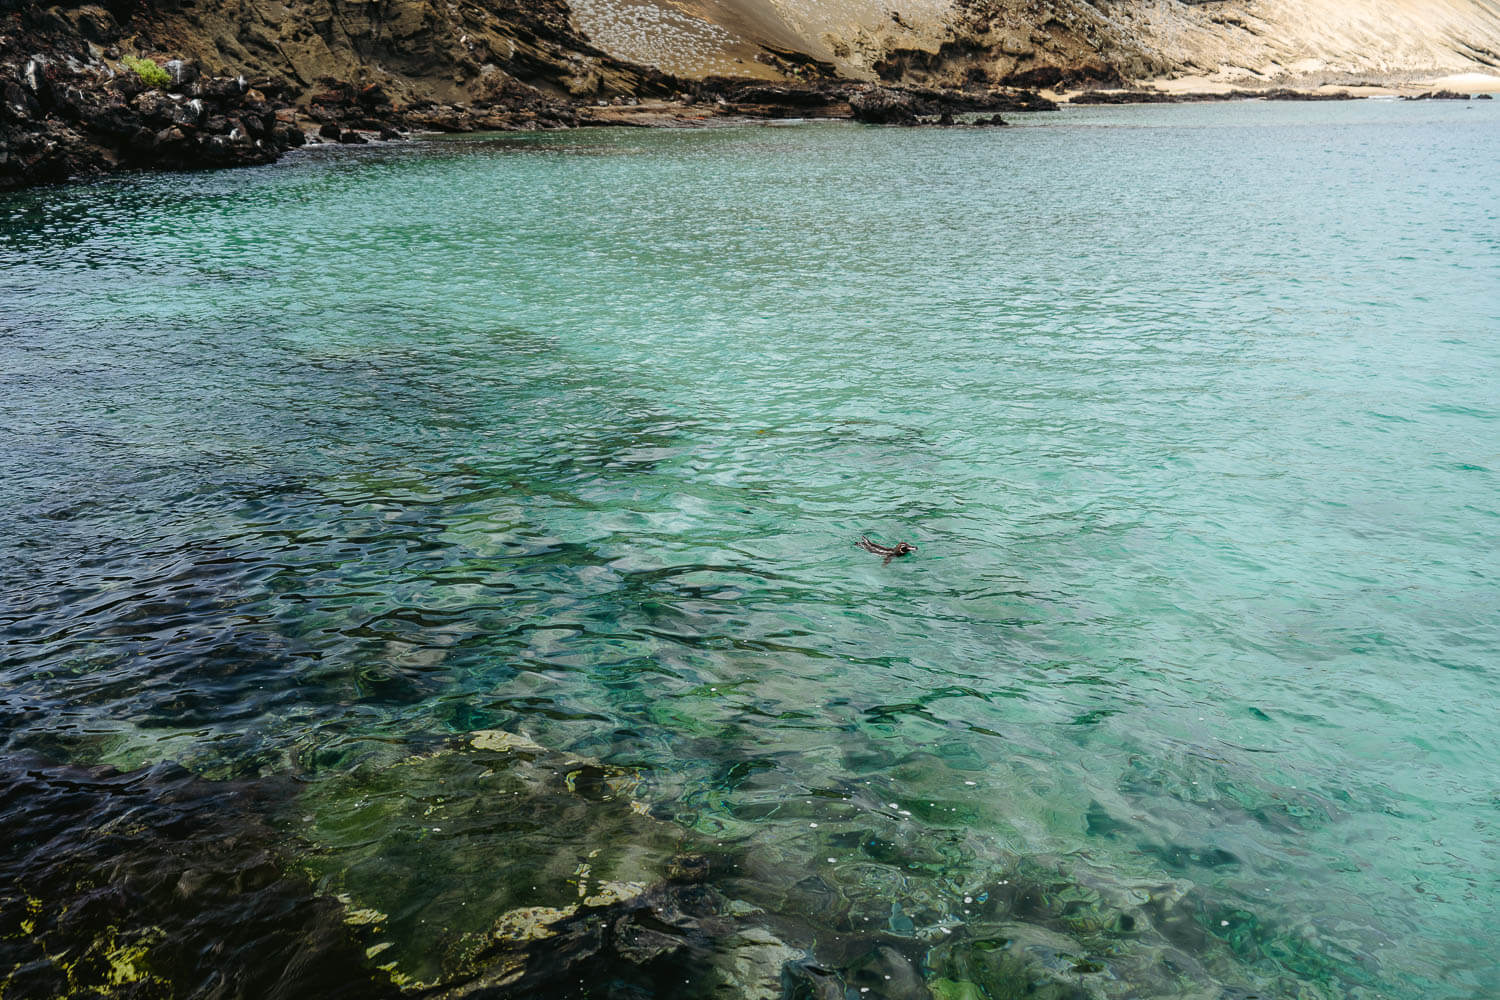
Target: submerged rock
{"x": 155, "y": 883}
{"x": 505, "y": 866}
{"x": 492, "y": 866}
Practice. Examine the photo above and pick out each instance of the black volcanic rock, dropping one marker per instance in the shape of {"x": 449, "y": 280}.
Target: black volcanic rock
{"x": 181, "y": 72}
{"x": 1283, "y": 94}
{"x": 885, "y": 106}
{"x": 1124, "y": 97}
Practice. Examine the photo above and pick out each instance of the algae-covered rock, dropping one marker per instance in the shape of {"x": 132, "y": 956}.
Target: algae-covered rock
{"x": 483, "y": 850}
{"x": 749, "y": 965}
{"x": 1019, "y": 962}
{"x": 490, "y": 865}
{"x": 152, "y": 883}
{"x": 949, "y": 989}
{"x": 908, "y": 867}
{"x": 499, "y": 739}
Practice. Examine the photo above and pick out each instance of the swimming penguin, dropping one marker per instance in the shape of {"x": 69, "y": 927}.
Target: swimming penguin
{"x": 889, "y": 551}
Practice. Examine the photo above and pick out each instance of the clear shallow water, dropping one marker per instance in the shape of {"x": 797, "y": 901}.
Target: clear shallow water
{"x": 1193, "y": 411}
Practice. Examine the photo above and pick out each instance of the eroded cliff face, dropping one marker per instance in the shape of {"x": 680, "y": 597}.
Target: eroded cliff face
{"x": 256, "y": 74}
{"x": 451, "y": 51}
{"x": 414, "y": 49}
{"x": 240, "y": 82}
{"x": 951, "y": 42}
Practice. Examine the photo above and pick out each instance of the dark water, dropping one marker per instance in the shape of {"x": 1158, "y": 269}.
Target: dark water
{"x": 431, "y": 567}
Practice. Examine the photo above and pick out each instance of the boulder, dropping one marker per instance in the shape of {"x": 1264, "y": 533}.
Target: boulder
{"x": 91, "y": 22}
{"x": 37, "y": 78}
{"x": 810, "y": 981}
{"x": 219, "y": 88}
{"x": 372, "y": 96}
{"x": 181, "y": 72}
{"x": 17, "y": 103}
{"x": 161, "y": 109}
{"x": 289, "y": 136}
{"x": 128, "y": 84}
{"x": 112, "y": 118}
{"x": 234, "y": 149}
{"x": 884, "y": 106}
{"x": 169, "y": 140}
{"x": 155, "y": 882}
{"x": 259, "y": 123}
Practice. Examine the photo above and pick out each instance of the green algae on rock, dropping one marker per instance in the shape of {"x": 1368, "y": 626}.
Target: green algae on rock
{"x": 487, "y": 841}
{"x": 119, "y": 884}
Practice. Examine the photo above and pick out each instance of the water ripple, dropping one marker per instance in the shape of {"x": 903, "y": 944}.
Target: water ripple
{"x": 1191, "y": 421}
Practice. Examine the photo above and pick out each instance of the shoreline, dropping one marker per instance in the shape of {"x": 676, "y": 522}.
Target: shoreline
{"x": 936, "y": 113}
{"x": 70, "y": 120}
{"x": 1362, "y": 85}
{"x": 1190, "y": 89}
{"x": 89, "y": 90}
{"x": 295, "y": 130}
{"x": 349, "y": 119}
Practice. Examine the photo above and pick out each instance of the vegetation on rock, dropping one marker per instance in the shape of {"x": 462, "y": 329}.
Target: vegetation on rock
{"x": 151, "y": 74}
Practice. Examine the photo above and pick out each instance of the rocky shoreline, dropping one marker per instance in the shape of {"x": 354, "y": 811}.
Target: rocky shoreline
{"x": 1141, "y": 96}
{"x": 89, "y": 90}
{"x": 66, "y": 112}
{"x": 77, "y": 105}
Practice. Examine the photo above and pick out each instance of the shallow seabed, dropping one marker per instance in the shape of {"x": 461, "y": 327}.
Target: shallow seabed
{"x": 459, "y": 539}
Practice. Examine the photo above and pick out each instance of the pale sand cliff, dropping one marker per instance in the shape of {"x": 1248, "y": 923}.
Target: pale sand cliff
{"x": 1231, "y": 43}
{"x": 1311, "y": 42}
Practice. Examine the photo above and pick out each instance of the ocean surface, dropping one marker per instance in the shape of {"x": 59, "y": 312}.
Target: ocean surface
{"x": 450, "y": 546}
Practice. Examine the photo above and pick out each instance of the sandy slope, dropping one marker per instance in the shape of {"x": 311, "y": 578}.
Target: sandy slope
{"x": 1242, "y": 42}
{"x": 732, "y": 37}
{"x": 1310, "y": 41}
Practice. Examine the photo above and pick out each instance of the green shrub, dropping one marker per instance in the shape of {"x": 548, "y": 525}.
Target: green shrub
{"x": 151, "y": 74}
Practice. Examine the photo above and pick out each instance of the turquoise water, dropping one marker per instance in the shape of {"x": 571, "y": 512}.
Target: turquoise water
{"x": 1193, "y": 412}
